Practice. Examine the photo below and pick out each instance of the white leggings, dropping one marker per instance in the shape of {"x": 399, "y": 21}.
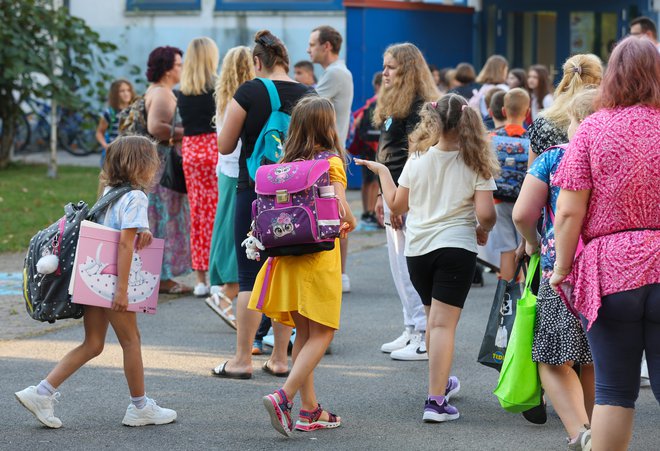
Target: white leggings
{"x": 413, "y": 309}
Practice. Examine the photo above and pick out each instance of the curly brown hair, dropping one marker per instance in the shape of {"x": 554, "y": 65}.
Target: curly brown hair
{"x": 413, "y": 80}
{"x": 130, "y": 159}
{"x": 450, "y": 117}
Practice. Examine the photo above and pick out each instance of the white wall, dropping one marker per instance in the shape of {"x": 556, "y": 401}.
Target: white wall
{"x": 136, "y": 34}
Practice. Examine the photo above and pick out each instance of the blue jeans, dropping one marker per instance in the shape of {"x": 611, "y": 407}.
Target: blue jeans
{"x": 628, "y": 323}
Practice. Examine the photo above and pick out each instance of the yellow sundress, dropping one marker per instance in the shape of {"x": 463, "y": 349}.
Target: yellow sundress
{"x": 309, "y": 284}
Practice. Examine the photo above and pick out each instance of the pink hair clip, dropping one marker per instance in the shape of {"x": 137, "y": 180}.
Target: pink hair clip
{"x": 434, "y": 105}
{"x": 463, "y": 107}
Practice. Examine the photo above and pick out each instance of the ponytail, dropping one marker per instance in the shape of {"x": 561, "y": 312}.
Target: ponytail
{"x": 451, "y": 116}
{"x": 270, "y": 50}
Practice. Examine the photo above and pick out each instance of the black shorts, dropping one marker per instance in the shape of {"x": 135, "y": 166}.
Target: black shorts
{"x": 444, "y": 274}
{"x": 247, "y": 269}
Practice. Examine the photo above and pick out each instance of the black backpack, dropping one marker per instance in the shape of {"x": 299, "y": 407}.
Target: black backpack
{"x": 47, "y": 295}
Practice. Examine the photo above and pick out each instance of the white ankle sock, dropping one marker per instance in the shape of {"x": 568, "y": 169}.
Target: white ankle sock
{"x": 139, "y": 401}
{"x": 45, "y": 389}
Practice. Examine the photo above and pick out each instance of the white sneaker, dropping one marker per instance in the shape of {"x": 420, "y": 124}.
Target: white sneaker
{"x": 201, "y": 290}
{"x": 398, "y": 343}
{"x": 345, "y": 283}
{"x": 40, "y": 405}
{"x": 150, "y": 414}
{"x": 416, "y": 349}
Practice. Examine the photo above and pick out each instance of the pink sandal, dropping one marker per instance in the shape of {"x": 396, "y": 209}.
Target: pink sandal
{"x": 309, "y": 420}
{"x": 279, "y": 408}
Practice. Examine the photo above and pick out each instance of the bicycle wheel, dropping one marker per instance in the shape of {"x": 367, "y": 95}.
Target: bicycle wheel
{"x": 77, "y": 134}
{"x": 21, "y": 134}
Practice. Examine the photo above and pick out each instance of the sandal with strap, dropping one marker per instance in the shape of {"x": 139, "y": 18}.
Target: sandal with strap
{"x": 309, "y": 420}
{"x": 279, "y": 408}
{"x": 215, "y": 303}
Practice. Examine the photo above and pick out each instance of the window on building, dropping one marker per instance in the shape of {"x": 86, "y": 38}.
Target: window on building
{"x": 278, "y": 5}
{"x": 163, "y": 5}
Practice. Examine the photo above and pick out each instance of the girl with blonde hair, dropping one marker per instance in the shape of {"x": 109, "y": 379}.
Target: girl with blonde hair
{"x": 551, "y": 126}
{"x": 450, "y": 154}
{"x": 237, "y": 68}
{"x": 200, "y": 150}
{"x": 407, "y": 85}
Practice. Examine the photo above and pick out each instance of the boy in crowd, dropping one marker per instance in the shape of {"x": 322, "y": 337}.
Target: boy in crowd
{"x": 304, "y": 73}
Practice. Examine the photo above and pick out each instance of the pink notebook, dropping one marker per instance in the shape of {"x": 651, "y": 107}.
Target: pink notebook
{"x": 94, "y": 276}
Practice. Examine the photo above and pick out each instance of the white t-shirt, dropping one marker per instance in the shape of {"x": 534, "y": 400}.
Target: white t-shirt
{"x": 441, "y": 202}
{"x": 227, "y": 164}
{"x": 336, "y": 84}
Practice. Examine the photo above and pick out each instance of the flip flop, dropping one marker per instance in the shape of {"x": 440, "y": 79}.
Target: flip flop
{"x": 220, "y": 371}
{"x": 177, "y": 288}
{"x": 225, "y": 314}
{"x": 267, "y": 369}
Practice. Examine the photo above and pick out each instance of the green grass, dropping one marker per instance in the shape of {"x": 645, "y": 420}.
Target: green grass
{"x": 30, "y": 201}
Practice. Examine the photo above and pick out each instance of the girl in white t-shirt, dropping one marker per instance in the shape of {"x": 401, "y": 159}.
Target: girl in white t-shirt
{"x": 446, "y": 188}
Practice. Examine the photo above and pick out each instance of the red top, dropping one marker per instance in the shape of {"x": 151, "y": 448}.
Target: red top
{"x": 615, "y": 154}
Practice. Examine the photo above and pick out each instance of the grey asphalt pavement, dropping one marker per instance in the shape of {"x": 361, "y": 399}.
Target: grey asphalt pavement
{"x": 380, "y": 400}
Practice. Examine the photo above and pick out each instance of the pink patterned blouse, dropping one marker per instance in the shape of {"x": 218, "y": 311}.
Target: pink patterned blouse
{"x": 615, "y": 153}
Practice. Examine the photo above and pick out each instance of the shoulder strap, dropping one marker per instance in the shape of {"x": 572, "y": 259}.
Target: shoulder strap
{"x": 104, "y": 202}
{"x": 272, "y": 93}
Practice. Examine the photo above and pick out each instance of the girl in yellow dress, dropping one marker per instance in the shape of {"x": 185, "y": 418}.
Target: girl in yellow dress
{"x": 305, "y": 291}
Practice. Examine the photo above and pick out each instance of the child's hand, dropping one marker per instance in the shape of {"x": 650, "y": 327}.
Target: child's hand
{"x": 346, "y": 227}
{"x": 120, "y": 301}
{"x": 371, "y": 165}
{"x": 144, "y": 239}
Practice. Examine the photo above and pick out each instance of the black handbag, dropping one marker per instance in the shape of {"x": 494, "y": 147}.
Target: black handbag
{"x": 173, "y": 177}
{"x": 500, "y": 321}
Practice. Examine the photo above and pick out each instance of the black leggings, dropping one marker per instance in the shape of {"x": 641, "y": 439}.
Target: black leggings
{"x": 628, "y": 323}
{"x": 247, "y": 269}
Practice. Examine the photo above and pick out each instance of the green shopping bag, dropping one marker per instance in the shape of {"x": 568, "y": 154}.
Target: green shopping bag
{"x": 519, "y": 386}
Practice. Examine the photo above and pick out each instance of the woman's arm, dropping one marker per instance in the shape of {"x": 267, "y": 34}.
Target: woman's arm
{"x": 527, "y": 210}
{"x": 571, "y": 210}
{"x": 162, "y": 107}
{"x": 124, "y": 260}
{"x": 231, "y": 129}
{"x": 100, "y": 132}
{"x": 395, "y": 197}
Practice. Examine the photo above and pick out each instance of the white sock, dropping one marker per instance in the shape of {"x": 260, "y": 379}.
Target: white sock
{"x": 45, "y": 389}
{"x": 139, "y": 401}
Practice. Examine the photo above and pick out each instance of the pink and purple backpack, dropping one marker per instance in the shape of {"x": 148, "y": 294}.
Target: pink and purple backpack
{"x": 289, "y": 216}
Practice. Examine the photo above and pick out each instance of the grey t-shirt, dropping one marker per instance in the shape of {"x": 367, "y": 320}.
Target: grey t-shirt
{"x": 336, "y": 84}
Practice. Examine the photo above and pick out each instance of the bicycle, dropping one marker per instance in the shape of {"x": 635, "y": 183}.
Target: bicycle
{"x": 76, "y": 131}
{"x": 21, "y": 132}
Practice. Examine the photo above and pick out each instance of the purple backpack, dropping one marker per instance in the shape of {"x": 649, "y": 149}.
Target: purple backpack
{"x": 289, "y": 216}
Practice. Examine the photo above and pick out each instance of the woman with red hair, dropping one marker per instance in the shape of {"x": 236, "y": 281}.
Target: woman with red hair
{"x": 609, "y": 180}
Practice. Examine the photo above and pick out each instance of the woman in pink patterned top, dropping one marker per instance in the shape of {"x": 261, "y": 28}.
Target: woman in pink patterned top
{"x": 610, "y": 193}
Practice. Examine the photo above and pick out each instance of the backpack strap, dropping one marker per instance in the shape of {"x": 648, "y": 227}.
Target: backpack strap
{"x": 272, "y": 93}
{"x": 106, "y": 200}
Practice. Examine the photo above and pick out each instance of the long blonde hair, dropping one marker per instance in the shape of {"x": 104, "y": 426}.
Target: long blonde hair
{"x": 493, "y": 71}
{"x": 413, "y": 80}
{"x": 452, "y": 118}
{"x": 237, "y": 68}
{"x": 199, "y": 67}
{"x": 579, "y": 71}
{"x": 312, "y": 129}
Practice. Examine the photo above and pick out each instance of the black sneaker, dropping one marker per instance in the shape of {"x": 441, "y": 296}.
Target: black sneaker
{"x": 538, "y": 414}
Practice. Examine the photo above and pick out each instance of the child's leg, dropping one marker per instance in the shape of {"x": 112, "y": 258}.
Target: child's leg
{"x": 126, "y": 329}
{"x": 441, "y": 330}
{"x": 307, "y": 358}
{"x": 95, "y": 322}
{"x": 562, "y": 386}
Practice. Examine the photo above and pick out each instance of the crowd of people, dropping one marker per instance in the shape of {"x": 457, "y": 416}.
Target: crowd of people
{"x": 587, "y": 204}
